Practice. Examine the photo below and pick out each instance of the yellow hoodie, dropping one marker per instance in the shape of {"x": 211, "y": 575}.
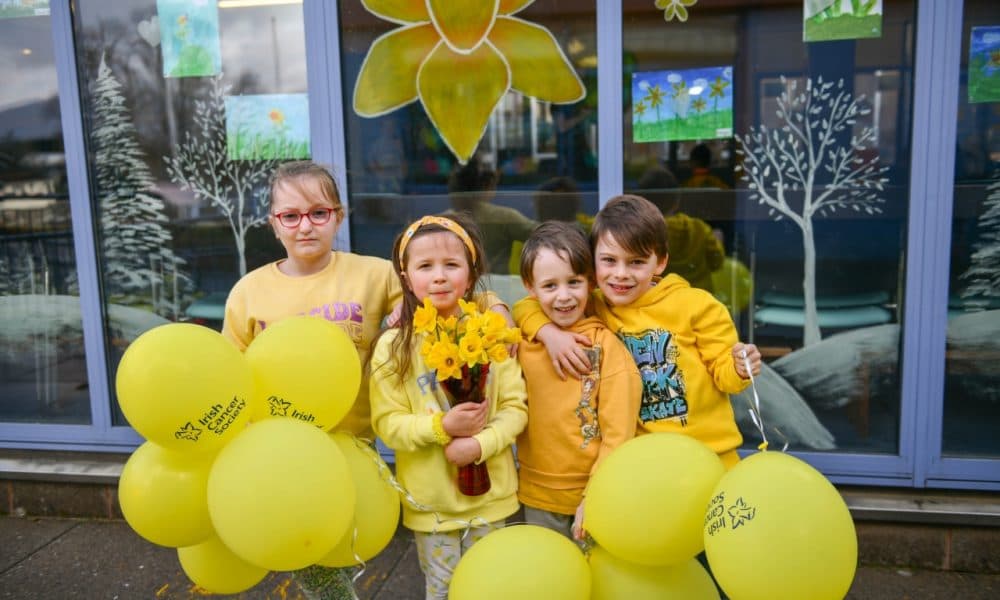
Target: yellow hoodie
{"x": 681, "y": 339}
{"x": 574, "y": 424}
{"x": 402, "y": 415}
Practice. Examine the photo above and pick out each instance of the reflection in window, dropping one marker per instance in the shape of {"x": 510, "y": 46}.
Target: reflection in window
{"x": 534, "y": 157}
{"x": 187, "y": 108}
{"x": 796, "y": 227}
{"x": 42, "y": 367}
{"x": 972, "y": 382}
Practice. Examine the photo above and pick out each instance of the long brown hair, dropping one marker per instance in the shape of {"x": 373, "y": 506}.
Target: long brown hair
{"x": 402, "y": 346}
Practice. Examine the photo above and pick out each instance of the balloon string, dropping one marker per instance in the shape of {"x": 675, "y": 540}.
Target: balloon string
{"x": 754, "y": 409}
{"x": 388, "y": 477}
{"x": 357, "y": 558}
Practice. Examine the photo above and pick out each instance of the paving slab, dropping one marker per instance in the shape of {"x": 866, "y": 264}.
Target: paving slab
{"x": 23, "y": 537}
{"x": 887, "y": 583}
{"x": 64, "y": 558}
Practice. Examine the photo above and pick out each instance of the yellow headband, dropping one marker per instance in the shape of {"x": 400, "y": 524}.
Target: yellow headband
{"x": 442, "y": 222}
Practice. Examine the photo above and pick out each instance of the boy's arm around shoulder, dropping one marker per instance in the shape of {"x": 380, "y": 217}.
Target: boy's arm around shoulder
{"x": 511, "y": 409}
{"x": 619, "y": 397}
{"x": 393, "y": 416}
{"x": 715, "y": 335}
{"x": 529, "y": 317}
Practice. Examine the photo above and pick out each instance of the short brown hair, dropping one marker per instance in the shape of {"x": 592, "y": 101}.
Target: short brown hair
{"x": 566, "y": 240}
{"x": 295, "y": 171}
{"x": 635, "y": 223}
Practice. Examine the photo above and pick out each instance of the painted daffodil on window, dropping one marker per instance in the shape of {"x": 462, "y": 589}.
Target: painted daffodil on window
{"x": 675, "y": 8}
{"x": 459, "y": 57}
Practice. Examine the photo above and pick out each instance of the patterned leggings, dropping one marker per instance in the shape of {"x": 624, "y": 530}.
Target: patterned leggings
{"x": 439, "y": 553}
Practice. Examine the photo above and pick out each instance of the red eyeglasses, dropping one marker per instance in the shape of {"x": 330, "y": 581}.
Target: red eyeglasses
{"x": 316, "y": 216}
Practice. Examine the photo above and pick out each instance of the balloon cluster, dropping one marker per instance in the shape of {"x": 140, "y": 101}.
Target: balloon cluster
{"x": 771, "y": 527}
{"x": 774, "y": 527}
{"x": 239, "y": 472}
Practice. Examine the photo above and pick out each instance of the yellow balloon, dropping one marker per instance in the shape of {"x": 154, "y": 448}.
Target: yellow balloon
{"x": 376, "y": 513}
{"x": 216, "y": 569}
{"x": 776, "y": 528}
{"x": 305, "y": 368}
{"x": 280, "y": 495}
{"x": 646, "y": 500}
{"x": 732, "y": 284}
{"x": 523, "y": 562}
{"x": 163, "y": 496}
{"x": 184, "y": 387}
{"x": 613, "y": 578}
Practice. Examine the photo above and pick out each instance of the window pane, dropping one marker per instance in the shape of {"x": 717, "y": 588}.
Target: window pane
{"x": 187, "y": 108}
{"x": 972, "y": 380}
{"x": 43, "y": 374}
{"x": 795, "y": 224}
{"x": 531, "y": 151}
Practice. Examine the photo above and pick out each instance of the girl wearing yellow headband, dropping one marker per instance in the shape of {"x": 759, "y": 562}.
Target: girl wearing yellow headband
{"x": 440, "y": 260}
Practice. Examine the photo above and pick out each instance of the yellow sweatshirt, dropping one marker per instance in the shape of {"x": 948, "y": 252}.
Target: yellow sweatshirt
{"x": 355, "y": 292}
{"x": 402, "y": 415}
{"x": 681, "y": 339}
{"x": 574, "y": 424}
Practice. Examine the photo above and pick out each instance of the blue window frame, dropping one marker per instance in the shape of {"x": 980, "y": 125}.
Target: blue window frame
{"x": 938, "y": 46}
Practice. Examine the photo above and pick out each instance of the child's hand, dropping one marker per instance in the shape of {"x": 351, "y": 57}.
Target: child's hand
{"x": 462, "y": 451}
{"x": 753, "y": 355}
{"x": 465, "y": 419}
{"x": 578, "y": 531}
{"x": 564, "y": 350}
{"x": 393, "y": 319}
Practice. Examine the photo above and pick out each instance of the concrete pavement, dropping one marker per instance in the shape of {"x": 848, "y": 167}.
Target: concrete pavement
{"x": 49, "y": 558}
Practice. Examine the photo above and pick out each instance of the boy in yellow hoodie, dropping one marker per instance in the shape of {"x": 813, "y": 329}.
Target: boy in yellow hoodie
{"x": 681, "y": 338}
{"x": 572, "y": 424}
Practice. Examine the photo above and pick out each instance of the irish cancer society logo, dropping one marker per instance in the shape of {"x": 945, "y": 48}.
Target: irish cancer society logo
{"x": 188, "y": 432}
{"x": 724, "y": 515}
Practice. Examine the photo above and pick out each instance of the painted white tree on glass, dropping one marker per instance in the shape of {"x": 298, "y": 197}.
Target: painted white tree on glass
{"x": 139, "y": 263}
{"x": 202, "y": 165}
{"x": 809, "y": 167}
{"x": 983, "y": 274}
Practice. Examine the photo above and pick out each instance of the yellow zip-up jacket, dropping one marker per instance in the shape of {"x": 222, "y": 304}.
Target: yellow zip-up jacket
{"x": 402, "y": 415}
{"x": 681, "y": 339}
{"x": 574, "y": 424}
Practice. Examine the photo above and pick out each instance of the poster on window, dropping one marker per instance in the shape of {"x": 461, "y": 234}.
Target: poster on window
{"x": 13, "y": 9}
{"x": 189, "y": 37}
{"x": 984, "y": 64}
{"x": 686, "y": 104}
{"x": 267, "y": 126}
{"x": 826, "y": 20}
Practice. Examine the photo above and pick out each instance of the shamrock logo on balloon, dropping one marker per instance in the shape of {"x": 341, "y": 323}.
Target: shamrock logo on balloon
{"x": 188, "y": 432}
{"x": 740, "y": 512}
{"x": 278, "y": 406}
{"x": 459, "y": 58}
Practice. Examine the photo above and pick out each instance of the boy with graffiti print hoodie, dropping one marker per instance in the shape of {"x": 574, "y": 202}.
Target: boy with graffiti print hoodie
{"x": 682, "y": 339}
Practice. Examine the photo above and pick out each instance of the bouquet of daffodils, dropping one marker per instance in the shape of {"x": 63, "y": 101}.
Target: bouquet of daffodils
{"x": 462, "y": 347}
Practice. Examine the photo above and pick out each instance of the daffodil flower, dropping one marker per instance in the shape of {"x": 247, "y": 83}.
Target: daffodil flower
{"x": 444, "y": 358}
{"x": 468, "y": 308}
{"x": 675, "y": 8}
{"x": 498, "y": 353}
{"x": 425, "y": 317}
{"x": 471, "y": 351}
{"x": 459, "y": 58}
